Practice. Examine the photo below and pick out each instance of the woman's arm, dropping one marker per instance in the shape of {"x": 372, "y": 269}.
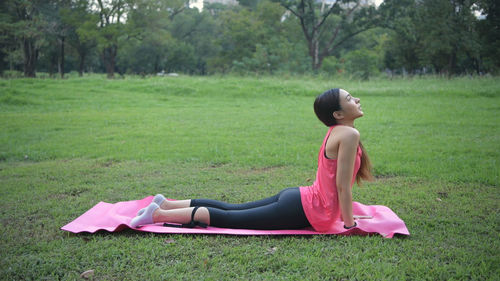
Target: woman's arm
{"x": 348, "y": 146}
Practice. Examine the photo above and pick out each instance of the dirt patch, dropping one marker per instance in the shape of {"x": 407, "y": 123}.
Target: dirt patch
{"x": 383, "y": 178}
{"x": 108, "y": 163}
{"x": 216, "y": 165}
{"x": 260, "y": 170}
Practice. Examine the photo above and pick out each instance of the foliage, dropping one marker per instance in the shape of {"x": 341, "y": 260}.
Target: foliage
{"x": 12, "y": 74}
{"x": 489, "y": 33}
{"x": 279, "y": 52}
{"x": 438, "y": 36}
{"x": 26, "y": 25}
{"x": 77, "y": 20}
{"x": 332, "y": 65}
{"x": 344, "y": 20}
{"x": 361, "y": 63}
{"x": 257, "y": 36}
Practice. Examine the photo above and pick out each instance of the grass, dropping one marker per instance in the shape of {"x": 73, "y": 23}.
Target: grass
{"x": 67, "y": 144}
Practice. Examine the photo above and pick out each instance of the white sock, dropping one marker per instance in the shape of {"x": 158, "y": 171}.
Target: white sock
{"x": 146, "y": 217}
{"x": 158, "y": 200}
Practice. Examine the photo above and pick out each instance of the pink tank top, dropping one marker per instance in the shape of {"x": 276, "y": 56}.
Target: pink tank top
{"x": 320, "y": 200}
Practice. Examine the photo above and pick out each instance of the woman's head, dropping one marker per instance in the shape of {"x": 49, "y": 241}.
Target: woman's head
{"x": 337, "y": 105}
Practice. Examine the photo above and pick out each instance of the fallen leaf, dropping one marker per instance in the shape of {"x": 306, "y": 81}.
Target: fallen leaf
{"x": 272, "y": 250}
{"x": 169, "y": 241}
{"x": 87, "y": 274}
{"x": 308, "y": 179}
{"x": 443, "y": 194}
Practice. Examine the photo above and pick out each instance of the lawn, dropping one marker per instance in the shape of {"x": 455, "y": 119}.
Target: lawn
{"x": 67, "y": 144}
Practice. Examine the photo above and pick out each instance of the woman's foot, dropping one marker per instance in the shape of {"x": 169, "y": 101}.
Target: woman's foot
{"x": 159, "y": 199}
{"x": 146, "y": 217}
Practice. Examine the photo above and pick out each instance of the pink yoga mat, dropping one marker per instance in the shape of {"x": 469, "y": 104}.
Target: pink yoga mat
{"x": 116, "y": 217}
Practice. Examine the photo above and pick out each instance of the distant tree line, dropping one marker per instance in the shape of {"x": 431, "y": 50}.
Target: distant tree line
{"x": 451, "y": 37}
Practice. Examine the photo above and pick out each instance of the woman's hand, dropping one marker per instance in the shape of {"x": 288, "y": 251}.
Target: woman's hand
{"x": 362, "y": 217}
{"x": 355, "y": 224}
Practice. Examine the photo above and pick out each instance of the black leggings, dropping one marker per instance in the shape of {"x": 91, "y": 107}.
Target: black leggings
{"x": 281, "y": 211}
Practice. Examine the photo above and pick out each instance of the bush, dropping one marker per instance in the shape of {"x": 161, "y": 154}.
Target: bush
{"x": 12, "y": 74}
{"x": 361, "y": 63}
{"x": 260, "y": 62}
{"x": 331, "y": 65}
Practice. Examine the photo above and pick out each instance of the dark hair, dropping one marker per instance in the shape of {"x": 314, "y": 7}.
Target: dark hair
{"x": 326, "y": 104}
{"x": 324, "y": 107}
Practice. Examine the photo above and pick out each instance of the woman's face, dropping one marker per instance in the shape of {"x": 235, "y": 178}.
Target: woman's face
{"x": 350, "y": 106}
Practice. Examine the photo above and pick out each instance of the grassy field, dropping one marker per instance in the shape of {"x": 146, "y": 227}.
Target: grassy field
{"x": 65, "y": 145}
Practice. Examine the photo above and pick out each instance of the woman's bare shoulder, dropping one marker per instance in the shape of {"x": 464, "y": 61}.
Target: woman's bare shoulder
{"x": 345, "y": 133}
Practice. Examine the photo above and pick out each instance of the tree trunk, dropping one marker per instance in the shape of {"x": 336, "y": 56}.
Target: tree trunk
{"x": 52, "y": 66}
{"x": 319, "y": 63}
{"x": 477, "y": 66}
{"x": 452, "y": 63}
{"x": 316, "y": 57}
{"x": 81, "y": 63}
{"x": 30, "y": 58}
{"x": 109, "y": 57}
{"x": 61, "y": 59}
{"x": 156, "y": 65}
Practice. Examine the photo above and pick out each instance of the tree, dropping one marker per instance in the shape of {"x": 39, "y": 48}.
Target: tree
{"x": 72, "y": 17}
{"x": 402, "y": 49}
{"x": 440, "y": 35}
{"x": 361, "y": 63}
{"x": 279, "y": 47}
{"x": 489, "y": 32}
{"x": 240, "y": 31}
{"x": 107, "y": 27}
{"x": 199, "y": 31}
{"x": 27, "y": 27}
{"x": 9, "y": 51}
{"x": 160, "y": 35}
{"x": 56, "y": 32}
{"x": 111, "y": 27}
{"x": 449, "y": 39}
{"x": 344, "y": 19}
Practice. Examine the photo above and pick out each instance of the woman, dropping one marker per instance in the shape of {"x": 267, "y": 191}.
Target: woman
{"x": 342, "y": 160}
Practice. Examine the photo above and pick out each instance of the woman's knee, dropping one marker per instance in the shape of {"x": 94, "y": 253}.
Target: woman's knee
{"x": 202, "y": 215}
